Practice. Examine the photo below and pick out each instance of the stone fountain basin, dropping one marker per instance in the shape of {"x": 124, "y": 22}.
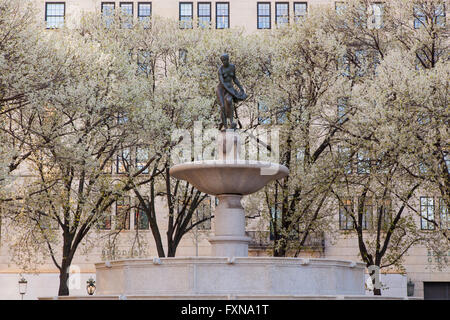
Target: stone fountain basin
{"x": 217, "y": 177}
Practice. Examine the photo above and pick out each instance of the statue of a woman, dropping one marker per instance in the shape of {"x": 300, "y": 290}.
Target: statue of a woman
{"x": 226, "y": 93}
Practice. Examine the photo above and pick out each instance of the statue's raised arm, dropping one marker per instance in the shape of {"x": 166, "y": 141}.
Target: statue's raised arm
{"x": 226, "y": 93}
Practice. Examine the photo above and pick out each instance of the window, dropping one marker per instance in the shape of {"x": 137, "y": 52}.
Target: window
{"x": 108, "y": 12}
{"x": 281, "y": 115}
{"x": 144, "y": 62}
{"x": 344, "y": 66}
{"x": 360, "y": 61}
{"x": 345, "y": 159}
{"x": 386, "y": 213}
{"x": 447, "y": 160}
{"x": 204, "y": 14}
{"x": 263, "y": 114}
{"x": 281, "y": 13}
{"x": 141, "y": 218}
{"x": 444, "y": 217}
{"x": 342, "y": 103}
{"x": 145, "y": 13}
{"x": 439, "y": 15}
{"x": 123, "y": 161}
{"x": 127, "y": 10}
{"x": 104, "y": 221}
{"x": 141, "y": 159}
{"x": 122, "y": 118}
{"x": 300, "y": 10}
{"x": 419, "y": 18}
{"x": 108, "y": 168}
{"x": 427, "y": 213}
{"x": 186, "y": 15}
{"x": 345, "y": 214}
{"x": 367, "y": 213}
{"x": 264, "y": 15}
{"x": 182, "y": 56}
{"x": 363, "y": 166}
{"x": 123, "y": 213}
{"x": 54, "y": 14}
{"x": 376, "y": 18}
{"x": 222, "y": 15}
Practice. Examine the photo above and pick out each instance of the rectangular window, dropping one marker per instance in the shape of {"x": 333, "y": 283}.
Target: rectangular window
{"x": 363, "y": 166}
{"x": 144, "y": 62}
{"x": 300, "y": 10}
{"x": 263, "y": 113}
{"x": 345, "y": 214}
{"x": 439, "y": 15}
{"x": 141, "y": 218}
{"x": 204, "y": 14}
{"x": 142, "y": 159}
{"x": 222, "y": 15}
{"x": 386, "y": 213}
{"x": 419, "y": 18}
{"x": 281, "y": 114}
{"x": 186, "y": 15}
{"x": 447, "y": 160}
{"x": 104, "y": 221}
{"x": 123, "y": 213}
{"x": 108, "y": 167}
{"x": 361, "y": 62}
{"x": 123, "y": 161}
{"x": 264, "y": 15}
{"x": 427, "y": 213}
{"x": 145, "y": 13}
{"x": 345, "y": 159}
{"x": 376, "y": 19}
{"x": 54, "y": 14}
{"x": 281, "y": 13}
{"x": 444, "y": 217}
{"x": 344, "y": 66}
{"x": 126, "y": 9}
{"x": 367, "y": 213}
{"x": 342, "y": 103}
{"x": 108, "y": 9}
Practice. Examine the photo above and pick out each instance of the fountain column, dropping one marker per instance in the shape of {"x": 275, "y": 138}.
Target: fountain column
{"x": 229, "y": 239}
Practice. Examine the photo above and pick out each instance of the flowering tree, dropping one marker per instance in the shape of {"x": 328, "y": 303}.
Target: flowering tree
{"x": 396, "y": 128}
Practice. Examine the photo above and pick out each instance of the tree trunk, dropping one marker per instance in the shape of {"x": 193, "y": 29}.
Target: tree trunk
{"x": 63, "y": 282}
{"x": 280, "y": 248}
{"x": 171, "y": 250}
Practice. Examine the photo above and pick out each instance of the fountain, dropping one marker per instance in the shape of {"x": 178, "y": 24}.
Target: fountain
{"x": 229, "y": 273}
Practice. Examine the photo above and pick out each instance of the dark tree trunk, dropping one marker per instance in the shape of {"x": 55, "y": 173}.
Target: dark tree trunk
{"x": 171, "y": 250}
{"x": 63, "y": 285}
{"x": 280, "y": 248}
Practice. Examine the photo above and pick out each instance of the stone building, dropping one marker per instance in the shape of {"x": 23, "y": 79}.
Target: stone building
{"x": 420, "y": 263}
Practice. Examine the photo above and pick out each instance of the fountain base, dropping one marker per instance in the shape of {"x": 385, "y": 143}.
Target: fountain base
{"x": 203, "y": 277}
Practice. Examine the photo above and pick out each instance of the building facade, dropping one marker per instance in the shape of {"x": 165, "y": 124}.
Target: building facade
{"x": 420, "y": 263}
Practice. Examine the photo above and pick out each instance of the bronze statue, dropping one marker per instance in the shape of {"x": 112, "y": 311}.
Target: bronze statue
{"x": 226, "y": 93}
